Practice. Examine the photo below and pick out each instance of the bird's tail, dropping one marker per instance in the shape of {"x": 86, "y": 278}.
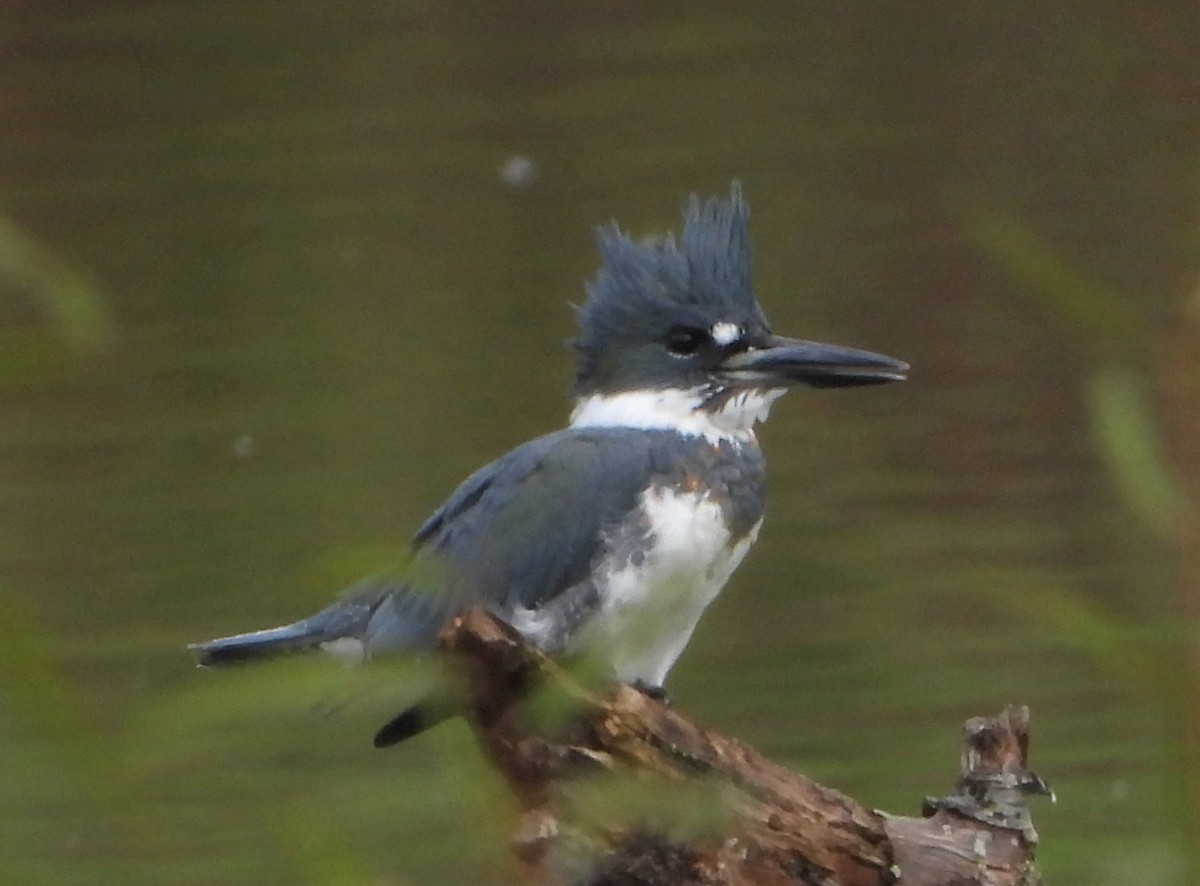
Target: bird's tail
{"x": 298, "y": 637}
{"x": 338, "y": 628}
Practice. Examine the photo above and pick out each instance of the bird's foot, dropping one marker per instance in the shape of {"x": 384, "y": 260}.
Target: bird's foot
{"x": 658, "y": 693}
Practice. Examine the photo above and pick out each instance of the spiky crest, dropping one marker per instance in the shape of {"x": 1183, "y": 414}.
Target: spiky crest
{"x": 644, "y": 288}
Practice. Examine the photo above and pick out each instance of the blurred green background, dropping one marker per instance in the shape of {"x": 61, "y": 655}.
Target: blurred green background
{"x": 275, "y": 277}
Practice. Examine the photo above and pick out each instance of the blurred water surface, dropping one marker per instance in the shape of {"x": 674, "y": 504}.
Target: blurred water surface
{"x": 274, "y": 279}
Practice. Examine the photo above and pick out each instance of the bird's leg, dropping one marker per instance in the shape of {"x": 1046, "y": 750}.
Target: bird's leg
{"x": 658, "y": 693}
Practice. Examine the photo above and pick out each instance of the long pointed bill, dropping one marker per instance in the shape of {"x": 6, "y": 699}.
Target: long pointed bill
{"x": 789, "y": 361}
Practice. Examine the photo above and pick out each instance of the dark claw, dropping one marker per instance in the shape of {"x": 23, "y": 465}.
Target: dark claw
{"x": 658, "y": 693}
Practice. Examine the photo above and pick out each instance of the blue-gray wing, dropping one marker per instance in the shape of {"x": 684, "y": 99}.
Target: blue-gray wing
{"x": 518, "y": 532}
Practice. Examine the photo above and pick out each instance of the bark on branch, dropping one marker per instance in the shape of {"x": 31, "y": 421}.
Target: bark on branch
{"x": 617, "y": 788}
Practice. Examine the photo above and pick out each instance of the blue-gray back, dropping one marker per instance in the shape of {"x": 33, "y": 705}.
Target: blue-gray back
{"x": 530, "y": 525}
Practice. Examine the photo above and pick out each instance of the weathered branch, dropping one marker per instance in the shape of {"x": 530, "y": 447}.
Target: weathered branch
{"x": 617, "y": 788}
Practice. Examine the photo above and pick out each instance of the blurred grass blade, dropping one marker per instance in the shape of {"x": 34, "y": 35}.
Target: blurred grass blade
{"x": 79, "y": 315}
{"x": 322, "y": 852}
{"x": 228, "y": 706}
{"x": 1126, "y": 438}
{"x": 37, "y": 690}
{"x": 1086, "y": 304}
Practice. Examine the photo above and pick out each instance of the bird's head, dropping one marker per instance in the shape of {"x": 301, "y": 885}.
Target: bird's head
{"x": 679, "y": 317}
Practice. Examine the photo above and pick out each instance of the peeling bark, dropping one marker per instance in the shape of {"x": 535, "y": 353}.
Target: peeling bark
{"x": 615, "y": 787}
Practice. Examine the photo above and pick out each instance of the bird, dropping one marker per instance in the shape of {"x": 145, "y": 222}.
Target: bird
{"x": 610, "y": 537}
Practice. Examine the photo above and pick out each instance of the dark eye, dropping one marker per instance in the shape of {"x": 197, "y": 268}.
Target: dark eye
{"x": 684, "y": 342}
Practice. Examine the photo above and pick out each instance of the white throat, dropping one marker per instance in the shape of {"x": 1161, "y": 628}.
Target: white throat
{"x": 677, "y": 409}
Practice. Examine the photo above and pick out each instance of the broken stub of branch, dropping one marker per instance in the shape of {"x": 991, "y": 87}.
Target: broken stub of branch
{"x": 615, "y": 787}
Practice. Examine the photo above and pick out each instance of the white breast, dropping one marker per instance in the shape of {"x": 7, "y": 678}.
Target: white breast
{"x": 651, "y": 603}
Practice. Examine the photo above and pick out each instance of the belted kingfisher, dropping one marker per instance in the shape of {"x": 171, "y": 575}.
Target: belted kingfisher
{"x": 609, "y": 537}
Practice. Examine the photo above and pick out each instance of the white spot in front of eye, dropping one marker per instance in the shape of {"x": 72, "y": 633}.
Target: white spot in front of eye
{"x": 725, "y": 333}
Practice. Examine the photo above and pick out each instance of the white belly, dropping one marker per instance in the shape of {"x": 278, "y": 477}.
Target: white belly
{"x": 651, "y": 604}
